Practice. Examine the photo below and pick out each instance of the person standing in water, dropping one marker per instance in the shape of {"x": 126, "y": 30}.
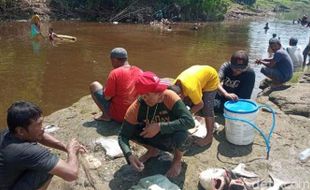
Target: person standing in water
{"x": 36, "y": 26}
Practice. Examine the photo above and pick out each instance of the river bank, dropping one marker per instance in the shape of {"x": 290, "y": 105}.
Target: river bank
{"x": 290, "y": 137}
{"x": 136, "y": 12}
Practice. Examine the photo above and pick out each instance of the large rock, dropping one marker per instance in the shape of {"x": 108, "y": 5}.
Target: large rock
{"x": 294, "y": 100}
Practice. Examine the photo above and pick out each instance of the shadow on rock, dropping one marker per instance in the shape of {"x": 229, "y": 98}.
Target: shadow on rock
{"x": 230, "y": 150}
{"x": 126, "y": 176}
{"x": 104, "y": 128}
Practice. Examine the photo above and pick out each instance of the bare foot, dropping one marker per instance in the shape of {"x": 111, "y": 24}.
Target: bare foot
{"x": 152, "y": 152}
{"x": 205, "y": 141}
{"x": 175, "y": 169}
{"x": 103, "y": 117}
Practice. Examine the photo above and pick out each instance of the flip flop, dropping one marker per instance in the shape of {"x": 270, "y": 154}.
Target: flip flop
{"x": 100, "y": 118}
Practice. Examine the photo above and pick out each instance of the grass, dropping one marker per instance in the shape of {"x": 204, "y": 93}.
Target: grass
{"x": 297, "y": 8}
{"x": 296, "y": 77}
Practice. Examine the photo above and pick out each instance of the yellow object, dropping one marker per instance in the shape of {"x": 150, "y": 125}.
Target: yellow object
{"x": 198, "y": 79}
{"x": 65, "y": 38}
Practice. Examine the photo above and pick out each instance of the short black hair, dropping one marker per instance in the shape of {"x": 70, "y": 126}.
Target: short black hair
{"x": 240, "y": 55}
{"x": 293, "y": 41}
{"x": 21, "y": 113}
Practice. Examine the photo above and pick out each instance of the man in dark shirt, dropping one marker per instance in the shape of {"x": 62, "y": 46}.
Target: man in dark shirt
{"x": 24, "y": 164}
{"x": 157, "y": 120}
{"x": 279, "y": 68}
{"x": 237, "y": 80}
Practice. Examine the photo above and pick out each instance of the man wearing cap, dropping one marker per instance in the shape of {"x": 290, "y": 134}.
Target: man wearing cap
{"x": 198, "y": 86}
{"x": 295, "y": 52}
{"x": 117, "y": 95}
{"x": 279, "y": 68}
{"x": 237, "y": 80}
{"x": 158, "y": 120}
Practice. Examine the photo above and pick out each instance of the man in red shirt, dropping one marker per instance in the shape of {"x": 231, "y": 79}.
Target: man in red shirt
{"x": 117, "y": 95}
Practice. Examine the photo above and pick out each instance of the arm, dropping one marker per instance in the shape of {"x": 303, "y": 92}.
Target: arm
{"x": 124, "y": 136}
{"x": 183, "y": 121}
{"x": 223, "y": 92}
{"x": 267, "y": 62}
{"x": 68, "y": 170}
{"x": 196, "y": 107}
{"x": 50, "y": 141}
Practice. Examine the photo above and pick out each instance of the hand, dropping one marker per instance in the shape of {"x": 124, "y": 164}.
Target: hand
{"x": 83, "y": 149}
{"x": 136, "y": 163}
{"x": 232, "y": 96}
{"x": 258, "y": 61}
{"x": 75, "y": 147}
{"x": 150, "y": 130}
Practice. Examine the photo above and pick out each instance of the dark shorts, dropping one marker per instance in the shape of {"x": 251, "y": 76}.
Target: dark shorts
{"x": 32, "y": 180}
{"x": 99, "y": 95}
{"x": 208, "y": 100}
{"x": 165, "y": 142}
{"x": 274, "y": 75}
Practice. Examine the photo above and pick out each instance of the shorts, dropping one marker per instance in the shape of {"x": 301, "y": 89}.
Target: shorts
{"x": 274, "y": 75}
{"x": 165, "y": 142}
{"x": 99, "y": 95}
{"x": 208, "y": 100}
{"x": 31, "y": 180}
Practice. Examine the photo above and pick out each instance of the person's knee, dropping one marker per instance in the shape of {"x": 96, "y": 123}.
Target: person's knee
{"x": 179, "y": 139}
{"x": 95, "y": 86}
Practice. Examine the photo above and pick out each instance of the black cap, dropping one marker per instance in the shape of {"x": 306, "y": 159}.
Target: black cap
{"x": 239, "y": 60}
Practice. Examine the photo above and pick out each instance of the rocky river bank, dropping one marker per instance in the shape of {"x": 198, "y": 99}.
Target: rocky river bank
{"x": 291, "y": 136}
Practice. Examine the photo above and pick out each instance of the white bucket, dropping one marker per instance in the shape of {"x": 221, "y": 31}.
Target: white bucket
{"x": 238, "y": 132}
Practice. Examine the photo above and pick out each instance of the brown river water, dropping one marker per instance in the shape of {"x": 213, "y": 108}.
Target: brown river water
{"x": 54, "y": 77}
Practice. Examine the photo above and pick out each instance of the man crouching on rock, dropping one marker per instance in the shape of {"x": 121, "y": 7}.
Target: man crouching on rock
{"x": 24, "y": 164}
{"x": 158, "y": 120}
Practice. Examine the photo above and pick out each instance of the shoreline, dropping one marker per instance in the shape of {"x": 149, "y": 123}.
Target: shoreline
{"x": 289, "y": 139}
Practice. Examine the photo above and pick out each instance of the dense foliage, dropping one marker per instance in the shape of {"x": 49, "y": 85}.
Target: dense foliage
{"x": 172, "y": 9}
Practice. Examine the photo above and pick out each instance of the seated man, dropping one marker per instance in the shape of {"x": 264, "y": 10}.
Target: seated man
{"x": 279, "y": 68}
{"x": 198, "y": 85}
{"x": 158, "y": 119}
{"x": 116, "y": 97}
{"x": 24, "y": 164}
{"x": 295, "y": 53}
{"x": 237, "y": 80}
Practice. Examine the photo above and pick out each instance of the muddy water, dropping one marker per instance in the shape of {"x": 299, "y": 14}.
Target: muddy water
{"x": 55, "y": 76}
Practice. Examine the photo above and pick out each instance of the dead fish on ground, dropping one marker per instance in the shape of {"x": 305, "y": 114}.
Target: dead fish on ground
{"x": 224, "y": 179}
{"x": 278, "y": 183}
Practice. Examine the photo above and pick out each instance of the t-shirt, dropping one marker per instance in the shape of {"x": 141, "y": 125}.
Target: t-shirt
{"x": 283, "y": 64}
{"x": 296, "y": 55}
{"x": 34, "y": 30}
{"x": 171, "y": 113}
{"x": 198, "y": 79}
{"x": 119, "y": 86}
{"x": 17, "y": 157}
{"x": 242, "y": 85}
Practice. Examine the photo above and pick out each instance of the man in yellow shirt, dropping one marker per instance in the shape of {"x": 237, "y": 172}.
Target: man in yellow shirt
{"x": 198, "y": 85}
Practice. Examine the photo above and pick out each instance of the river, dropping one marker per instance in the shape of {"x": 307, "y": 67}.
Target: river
{"x": 54, "y": 77}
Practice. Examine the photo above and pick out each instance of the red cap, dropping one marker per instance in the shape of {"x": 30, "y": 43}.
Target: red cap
{"x": 148, "y": 82}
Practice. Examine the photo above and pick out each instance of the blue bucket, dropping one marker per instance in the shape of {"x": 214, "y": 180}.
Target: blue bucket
{"x": 238, "y": 132}
{"x": 240, "y": 122}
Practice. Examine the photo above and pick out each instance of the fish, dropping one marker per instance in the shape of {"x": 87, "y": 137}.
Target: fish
{"x": 277, "y": 183}
{"x": 240, "y": 171}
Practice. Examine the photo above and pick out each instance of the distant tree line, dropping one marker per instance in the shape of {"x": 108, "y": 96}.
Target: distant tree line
{"x": 171, "y": 9}
{"x": 184, "y": 10}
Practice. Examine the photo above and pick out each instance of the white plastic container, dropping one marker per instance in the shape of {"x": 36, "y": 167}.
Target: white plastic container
{"x": 304, "y": 155}
{"x": 238, "y": 132}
